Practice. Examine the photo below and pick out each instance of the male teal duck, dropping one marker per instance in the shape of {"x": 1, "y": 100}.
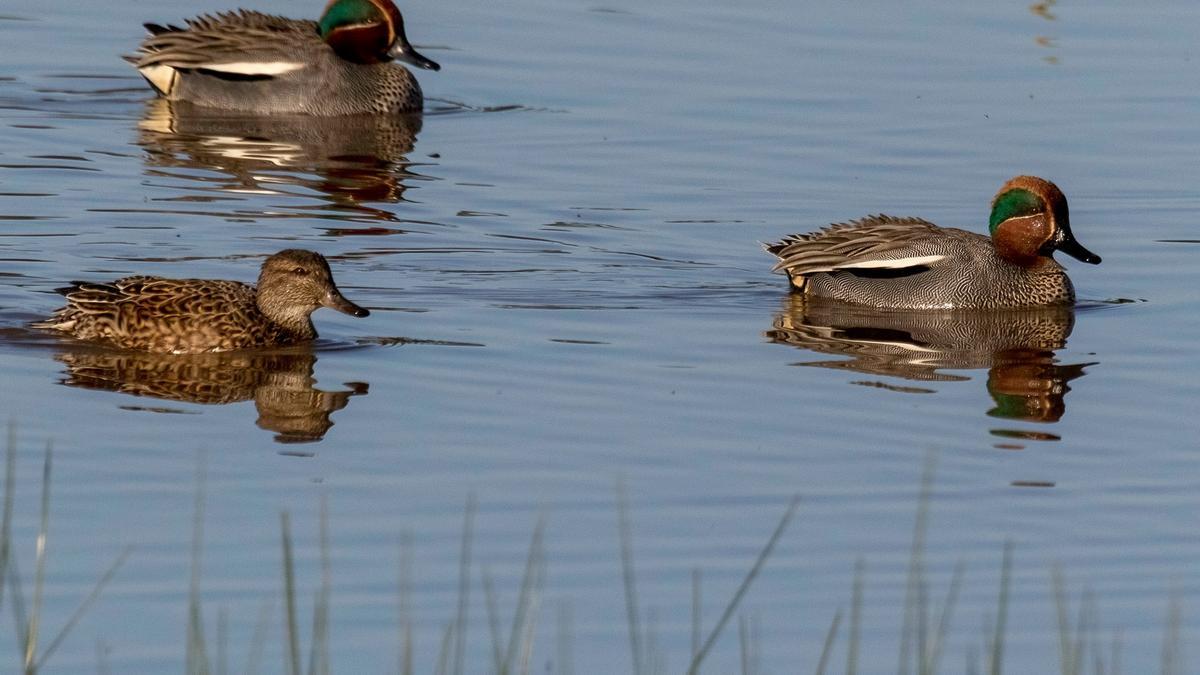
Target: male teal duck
{"x": 261, "y": 63}
{"x": 190, "y": 316}
{"x": 909, "y": 263}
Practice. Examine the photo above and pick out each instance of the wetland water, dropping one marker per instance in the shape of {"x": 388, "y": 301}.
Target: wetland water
{"x": 566, "y": 289}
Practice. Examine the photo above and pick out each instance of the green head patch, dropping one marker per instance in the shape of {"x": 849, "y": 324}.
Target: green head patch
{"x": 1014, "y": 203}
{"x": 349, "y": 12}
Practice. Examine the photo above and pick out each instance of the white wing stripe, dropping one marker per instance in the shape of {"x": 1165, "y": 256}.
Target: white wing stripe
{"x": 254, "y": 68}
{"x": 893, "y": 264}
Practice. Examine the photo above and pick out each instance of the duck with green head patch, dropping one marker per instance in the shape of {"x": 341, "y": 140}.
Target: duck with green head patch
{"x": 261, "y": 63}
{"x": 909, "y": 263}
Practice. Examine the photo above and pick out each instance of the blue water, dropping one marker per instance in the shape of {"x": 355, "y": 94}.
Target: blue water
{"x": 562, "y": 264}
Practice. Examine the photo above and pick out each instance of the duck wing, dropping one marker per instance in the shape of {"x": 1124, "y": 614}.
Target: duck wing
{"x": 874, "y": 242}
{"x": 241, "y": 44}
{"x": 153, "y": 297}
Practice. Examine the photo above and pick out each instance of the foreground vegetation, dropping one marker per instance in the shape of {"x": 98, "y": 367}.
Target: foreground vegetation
{"x": 923, "y": 630}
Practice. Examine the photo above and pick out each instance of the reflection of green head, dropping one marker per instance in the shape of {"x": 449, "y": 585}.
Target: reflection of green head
{"x": 1014, "y": 203}
{"x": 348, "y": 12}
{"x": 1009, "y": 406}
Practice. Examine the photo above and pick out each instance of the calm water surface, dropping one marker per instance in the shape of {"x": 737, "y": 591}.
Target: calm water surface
{"x": 566, "y": 289}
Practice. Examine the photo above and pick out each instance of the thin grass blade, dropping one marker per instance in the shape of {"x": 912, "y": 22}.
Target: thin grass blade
{"x": 564, "y": 664}
{"x": 697, "y": 612}
{"x": 318, "y": 663}
{"x": 444, "y": 653}
{"x": 529, "y": 582}
{"x": 197, "y": 648}
{"x": 1082, "y": 629}
{"x": 943, "y": 627}
{"x": 87, "y": 602}
{"x": 997, "y": 660}
{"x": 744, "y": 643}
{"x": 916, "y": 564}
{"x": 404, "y": 586}
{"x": 1062, "y": 613}
{"x": 292, "y": 656}
{"x": 223, "y": 641}
{"x": 39, "y": 574}
{"x": 529, "y": 630}
{"x": 17, "y": 600}
{"x": 856, "y": 603}
{"x": 493, "y": 620}
{"x": 102, "y": 658}
{"x": 625, "y": 532}
{"x": 10, "y": 491}
{"x": 827, "y": 647}
{"x": 464, "y": 584}
{"x": 745, "y": 585}
{"x": 1171, "y": 661}
{"x": 315, "y": 646}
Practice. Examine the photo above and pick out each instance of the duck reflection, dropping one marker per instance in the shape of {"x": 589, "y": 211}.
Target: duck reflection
{"x": 1018, "y": 347}
{"x": 280, "y": 383}
{"x": 351, "y": 161}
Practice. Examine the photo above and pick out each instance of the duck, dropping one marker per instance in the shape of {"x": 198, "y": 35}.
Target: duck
{"x": 192, "y": 316}
{"x": 887, "y": 262}
{"x": 266, "y": 64}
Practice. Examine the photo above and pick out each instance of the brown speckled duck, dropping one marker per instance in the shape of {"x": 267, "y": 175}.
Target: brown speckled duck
{"x": 909, "y": 263}
{"x": 189, "y": 316}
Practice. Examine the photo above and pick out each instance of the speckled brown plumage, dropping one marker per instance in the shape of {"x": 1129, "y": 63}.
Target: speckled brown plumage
{"x": 187, "y": 316}
{"x": 910, "y": 263}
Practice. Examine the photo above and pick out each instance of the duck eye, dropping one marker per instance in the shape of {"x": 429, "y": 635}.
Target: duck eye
{"x": 299, "y": 271}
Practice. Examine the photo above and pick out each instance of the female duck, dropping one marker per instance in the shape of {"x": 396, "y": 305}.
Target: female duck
{"x": 188, "y": 316}
{"x": 909, "y": 263}
{"x": 261, "y": 63}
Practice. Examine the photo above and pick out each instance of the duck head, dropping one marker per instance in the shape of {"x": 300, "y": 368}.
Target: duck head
{"x": 293, "y": 284}
{"x": 369, "y": 31}
{"x": 1030, "y": 220}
